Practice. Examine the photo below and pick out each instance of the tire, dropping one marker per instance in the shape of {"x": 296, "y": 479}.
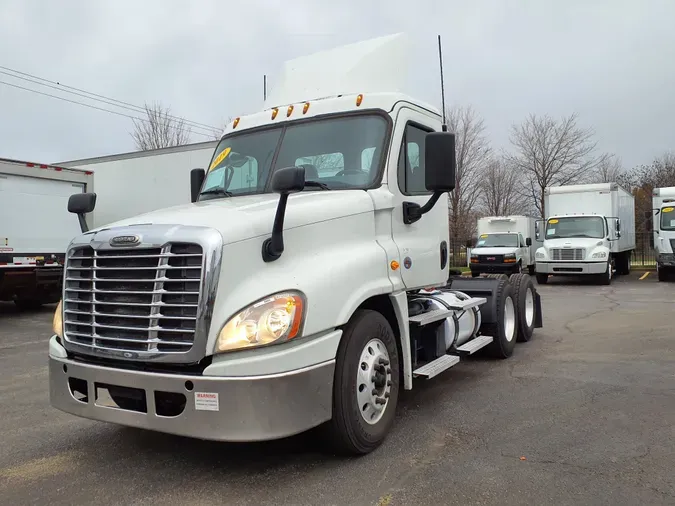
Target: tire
{"x": 505, "y": 329}
{"x": 27, "y": 304}
{"x": 530, "y": 270}
{"x": 542, "y": 279}
{"x": 661, "y": 274}
{"x": 623, "y": 263}
{"x": 524, "y": 295}
{"x": 348, "y": 431}
{"x": 475, "y": 274}
{"x": 498, "y": 276}
{"x": 606, "y": 278}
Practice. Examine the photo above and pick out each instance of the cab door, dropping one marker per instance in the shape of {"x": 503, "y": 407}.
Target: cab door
{"x": 422, "y": 245}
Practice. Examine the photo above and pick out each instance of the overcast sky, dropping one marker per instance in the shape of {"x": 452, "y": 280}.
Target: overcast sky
{"x": 610, "y": 61}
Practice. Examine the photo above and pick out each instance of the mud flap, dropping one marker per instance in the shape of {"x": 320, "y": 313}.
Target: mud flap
{"x": 538, "y": 317}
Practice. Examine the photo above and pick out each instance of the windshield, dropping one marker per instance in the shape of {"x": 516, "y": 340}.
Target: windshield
{"x": 582, "y": 226}
{"x": 668, "y": 218}
{"x": 497, "y": 241}
{"x": 339, "y": 152}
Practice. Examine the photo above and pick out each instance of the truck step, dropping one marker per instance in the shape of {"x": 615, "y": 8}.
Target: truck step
{"x": 436, "y": 367}
{"x": 471, "y": 347}
{"x": 441, "y": 314}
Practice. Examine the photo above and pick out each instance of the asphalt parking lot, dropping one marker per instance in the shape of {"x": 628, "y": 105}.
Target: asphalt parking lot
{"x": 582, "y": 414}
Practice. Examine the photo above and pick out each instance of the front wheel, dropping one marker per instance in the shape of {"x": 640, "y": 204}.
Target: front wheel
{"x": 542, "y": 279}
{"x": 366, "y": 384}
{"x": 661, "y": 273}
{"x": 606, "y": 278}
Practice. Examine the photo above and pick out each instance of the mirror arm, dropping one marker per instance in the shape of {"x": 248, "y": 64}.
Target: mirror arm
{"x": 273, "y": 246}
{"x": 413, "y": 211}
{"x": 83, "y": 223}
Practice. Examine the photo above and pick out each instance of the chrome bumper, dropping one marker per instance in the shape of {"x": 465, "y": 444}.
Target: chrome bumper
{"x": 570, "y": 268}
{"x": 248, "y": 408}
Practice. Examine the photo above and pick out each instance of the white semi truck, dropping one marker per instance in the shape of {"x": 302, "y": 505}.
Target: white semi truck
{"x": 504, "y": 245}
{"x": 589, "y": 230}
{"x": 36, "y": 228}
{"x": 663, "y": 229}
{"x": 304, "y": 286}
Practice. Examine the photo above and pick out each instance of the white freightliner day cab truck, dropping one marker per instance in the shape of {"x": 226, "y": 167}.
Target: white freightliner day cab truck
{"x": 305, "y": 284}
{"x": 589, "y": 230}
{"x": 663, "y": 229}
{"x": 504, "y": 245}
{"x": 36, "y": 228}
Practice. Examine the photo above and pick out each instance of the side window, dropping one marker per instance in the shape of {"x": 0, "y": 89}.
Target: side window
{"x": 411, "y": 178}
{"x": 241, "y": 176}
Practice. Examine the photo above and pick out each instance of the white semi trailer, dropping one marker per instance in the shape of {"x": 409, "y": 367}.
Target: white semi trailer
{"x": 36, "y": 228}
{"x": 663, "y": 229}
{"x": 589, "y": 230}
{"x": 292, "y": 292}
{"x": 130, "y": 184}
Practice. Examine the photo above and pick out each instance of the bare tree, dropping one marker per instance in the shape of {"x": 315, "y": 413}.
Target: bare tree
{"x": 160, "y": 129}
{"x": 501, "y": 188}
{"x": 473, "y": 152}
{"x": 551, "y": 152}
{"x": 608, "y": 170}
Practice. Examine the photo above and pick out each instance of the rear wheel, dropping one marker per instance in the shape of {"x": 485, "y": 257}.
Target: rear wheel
{"x": 366, "y": 384}
{"x": 498, "y": 276}
{"x": 524, "y": 294}
{"x": 504, "y": 330}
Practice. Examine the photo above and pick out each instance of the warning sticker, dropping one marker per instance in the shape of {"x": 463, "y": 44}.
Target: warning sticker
{"x": 205, "y": 401}
{"x": 6, "y": 250}
{"x": 223, "y": 154}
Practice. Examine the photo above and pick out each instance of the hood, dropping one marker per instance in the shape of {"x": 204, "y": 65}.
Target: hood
{"x": 573, "y": 242}
{"x": 246, "y": 217}
{"x": 493, "y": 251}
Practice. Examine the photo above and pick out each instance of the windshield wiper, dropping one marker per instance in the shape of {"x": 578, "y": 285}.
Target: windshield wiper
{"x": 216, "y": 191}
{"x": 317, "y": 184}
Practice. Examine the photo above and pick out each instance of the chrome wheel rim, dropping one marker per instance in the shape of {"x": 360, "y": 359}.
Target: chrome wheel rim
{"x": 509, "y": 319}
{"x": 373, "y": 381}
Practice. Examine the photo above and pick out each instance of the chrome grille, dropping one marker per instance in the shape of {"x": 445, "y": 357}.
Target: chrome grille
{"x": 135, "y": 300}
{"x": 568, "y": 254}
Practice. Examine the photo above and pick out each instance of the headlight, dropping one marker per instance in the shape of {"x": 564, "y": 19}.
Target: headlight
{"x": 600, "y": 254}
{"x": 540, "y": 254}
{"x": 57, "y": 321}
{"x": 276, "y": 318}
{"x": 510, "y": 256}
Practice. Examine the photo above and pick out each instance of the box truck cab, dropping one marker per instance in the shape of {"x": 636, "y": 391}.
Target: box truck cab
{"x": 504, "y": 245}
{"x": 589, "y": 230}
{"x": 663, "y": 229}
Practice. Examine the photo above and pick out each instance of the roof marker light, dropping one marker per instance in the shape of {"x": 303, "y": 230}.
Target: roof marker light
{"x": 305, "y": 108}
{"x": 275, "y": 111}
{"x": 359, "y": 99}
{"x": 236, "y": 122}
{"x": 290, "y": 111}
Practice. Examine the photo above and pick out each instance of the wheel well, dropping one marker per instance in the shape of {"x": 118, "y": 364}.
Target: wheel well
{"x": 383, "y": 305}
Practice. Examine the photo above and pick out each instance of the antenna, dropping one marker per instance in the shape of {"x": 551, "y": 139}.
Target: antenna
{"x": 440, "y": 63}
{"x": 264, "y": 86}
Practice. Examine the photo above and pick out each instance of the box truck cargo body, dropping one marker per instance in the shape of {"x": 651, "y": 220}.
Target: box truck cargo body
{"x": 134, "y": 183}
{"x": 589, "y": 229}
{"x": 504, "y": 245}
{"x": 36, "y": 228}
{"x": 663, "y": 228}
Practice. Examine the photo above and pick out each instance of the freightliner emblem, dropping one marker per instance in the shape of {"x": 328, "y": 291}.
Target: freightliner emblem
{"x": 125, "y": 240}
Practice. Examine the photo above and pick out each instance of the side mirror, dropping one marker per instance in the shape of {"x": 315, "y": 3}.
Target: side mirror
{"x": 439, "y": 173}
{"x": 528, "y": 241}
{"x": 284, "y": 182}
{"x": 440, "y": 161}
{"x": 618, "y": 225}
{"x": 81, "y": 204}
{"x": 197, "y": 177}
{"x": 537, "y": 230}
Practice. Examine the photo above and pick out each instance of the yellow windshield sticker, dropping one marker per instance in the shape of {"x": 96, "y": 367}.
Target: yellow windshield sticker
{"x": 553, "y": 221}
{"x": 483, "y": 236}
{"x": 668, "y": 209}
{"x": 216, "y": 161}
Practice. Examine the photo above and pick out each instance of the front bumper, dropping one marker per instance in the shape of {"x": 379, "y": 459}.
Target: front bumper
{"x": 570, "y": 268}
{"x": 493, "y": 268}
{"x": 665, "y": 259}
{"x": 241, "y": 408}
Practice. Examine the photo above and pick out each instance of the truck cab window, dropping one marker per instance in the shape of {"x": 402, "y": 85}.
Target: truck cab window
{"x": 668, "y": 218}
{"x": 411, "y": 180}
{"x": 321, "y": 166}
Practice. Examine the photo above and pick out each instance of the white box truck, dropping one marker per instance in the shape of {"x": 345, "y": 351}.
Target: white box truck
{"x": 36, "y": 228}
{"x": 663, "y": 229}
{"x": 589, "y": 230}
{"x": 292, "y": 292}
{"x": 504, "y": 245}
{"x": 130, "y": 184}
